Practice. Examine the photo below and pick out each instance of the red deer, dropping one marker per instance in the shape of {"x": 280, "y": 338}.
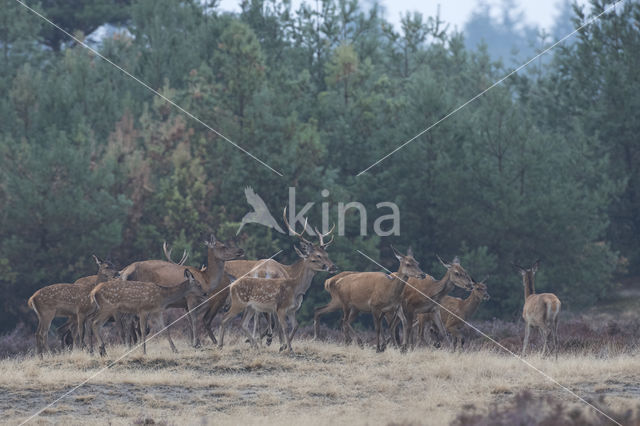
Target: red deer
{"x": 540, "y": 310}
{"x": 463, "y": 310}
{"x": 143, "y": 299}
{"x": 170, "y": 273}
{"x": 414, "y": 301}
{"x": 279, "y": 296}
{"x": 374, "y": 292}
{"x": 66, "y": 300}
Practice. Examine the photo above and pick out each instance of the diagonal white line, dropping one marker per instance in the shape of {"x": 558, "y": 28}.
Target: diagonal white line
{"x": 589, "y": 22}
{"x": 37, "y": 413}
{"x": 485, "y": 335}
{"x": 151, "y": 89}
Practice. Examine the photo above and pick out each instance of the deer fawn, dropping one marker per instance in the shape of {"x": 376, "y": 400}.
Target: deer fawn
{"x": 280, "y": 296}
{"x": 463, "y": 310}
{"x": 65, "y": 300}
{"x": 540, "y": 310}
{"x": 115, "y": 297}
{"x": 374, "y": 292}
{"x": 171, "y": 274}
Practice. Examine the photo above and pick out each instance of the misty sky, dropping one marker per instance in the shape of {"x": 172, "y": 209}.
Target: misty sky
{"x": 455, "y": 12}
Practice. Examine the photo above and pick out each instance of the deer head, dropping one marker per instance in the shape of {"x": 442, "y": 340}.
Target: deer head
{"x": 458, "y": 276}
{"x": 528, "y": 274}
{"x": 106, "y": 269}
{"x": 480, "y": 289}
{"x": 315, "y": 254}
{"x": 409, "y": 267}
{"x": 194, "y": 287}
{"x": 317, "y": 259}
{"x": 227, "y": 250}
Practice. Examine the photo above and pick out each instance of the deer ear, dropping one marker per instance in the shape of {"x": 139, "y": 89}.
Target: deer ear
{"x": 456, "y": 260}
{"x": 96, "y": 259}
{"x": 396, "y": 253}
{"x": 522, "y": 272}
{"x": 188, "y": 275}
{"x": 445, "y": 264}
{"x": 410, "y": 252}
{"x": 534, "y": 267}
{"x": 303, "y": 255}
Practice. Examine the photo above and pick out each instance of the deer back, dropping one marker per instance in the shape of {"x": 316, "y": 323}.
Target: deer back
{"x": 264, "y": 268}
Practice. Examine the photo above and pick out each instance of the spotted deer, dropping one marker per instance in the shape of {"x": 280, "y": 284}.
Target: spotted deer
{"x": 66, "y": 300}
{"x": 143, "y": 299}
{"x": 540, "y": 310}
{"x": 169, "y": 273}
{"x": 374, "y": 292}
{"x": 278, "y": 296}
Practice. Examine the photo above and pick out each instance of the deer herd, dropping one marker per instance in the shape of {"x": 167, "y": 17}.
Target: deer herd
{"x": 271, "y": 293}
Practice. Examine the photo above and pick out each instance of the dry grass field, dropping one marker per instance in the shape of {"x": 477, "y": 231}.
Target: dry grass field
{"x": 321, "y": 383}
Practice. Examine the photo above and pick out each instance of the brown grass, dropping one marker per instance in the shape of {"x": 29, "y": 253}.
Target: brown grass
{"x": 321, "y": 383}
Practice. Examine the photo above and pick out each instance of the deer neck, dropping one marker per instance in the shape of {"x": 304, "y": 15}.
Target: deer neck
{"x": 297, "y": 269}
{"x": 400, "y": 279}
{"x": 471, "y": 303}
{"x": 215, "y": 269}
{"x": 529, "y": 288}
{"x": 303, "y": 279}
{"x": 445, "y": 285}
{"x": 171, "y": 295}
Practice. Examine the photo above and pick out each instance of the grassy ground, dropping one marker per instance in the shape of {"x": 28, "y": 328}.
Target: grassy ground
{"x": 321, "y": 383}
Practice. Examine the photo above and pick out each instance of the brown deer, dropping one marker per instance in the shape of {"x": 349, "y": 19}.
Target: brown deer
{"x": 414, "y": 301}
{"x": 170, "y": 273}
{"x": 540, "y": 310}
{"x": 279, "y": 296}
{"x": 66, "y": 300}
{"x": 374, "y": 292}
{"x": 142, "y": 299}
{"x": 463, "y": 310}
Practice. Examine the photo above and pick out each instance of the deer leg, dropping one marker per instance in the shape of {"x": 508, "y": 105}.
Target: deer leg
{"x": 392, "y": 321}
{"x": 527, "y": 331}
{"x": 377, "y": 322}
{"x": 195, "y": 341}
{"x": 79, "y": 343}
{"x": 332, "y": 306}
{"x": 96, "y": 325}
{"x": 294, "y": 324}
{"x": 407, "y": 325}
{"x": 245, "y": 327}
{"x": 437, "y": 320}
{"x": 234, "y": 310}
{"x": 167, "y": 332}
{"x": 269, "y": 329}
{"x": 555, "y": 336}
{"x": 353, "y": 313}
{"x": 143, "y": 331}
{"x": 282, "y": 319}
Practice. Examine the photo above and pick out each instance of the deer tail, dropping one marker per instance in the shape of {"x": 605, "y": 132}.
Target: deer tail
{"x": 94, "y": 302}
{"x": 32, "y": 304}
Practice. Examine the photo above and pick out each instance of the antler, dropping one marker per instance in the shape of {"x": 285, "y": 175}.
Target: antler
{"x": 167, "y": 254}
{"x": 321, "y": 236}
{"x": 293, "y": 231}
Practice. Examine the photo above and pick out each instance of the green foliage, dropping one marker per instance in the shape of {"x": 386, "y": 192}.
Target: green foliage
{"x": 543, "y": 166}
